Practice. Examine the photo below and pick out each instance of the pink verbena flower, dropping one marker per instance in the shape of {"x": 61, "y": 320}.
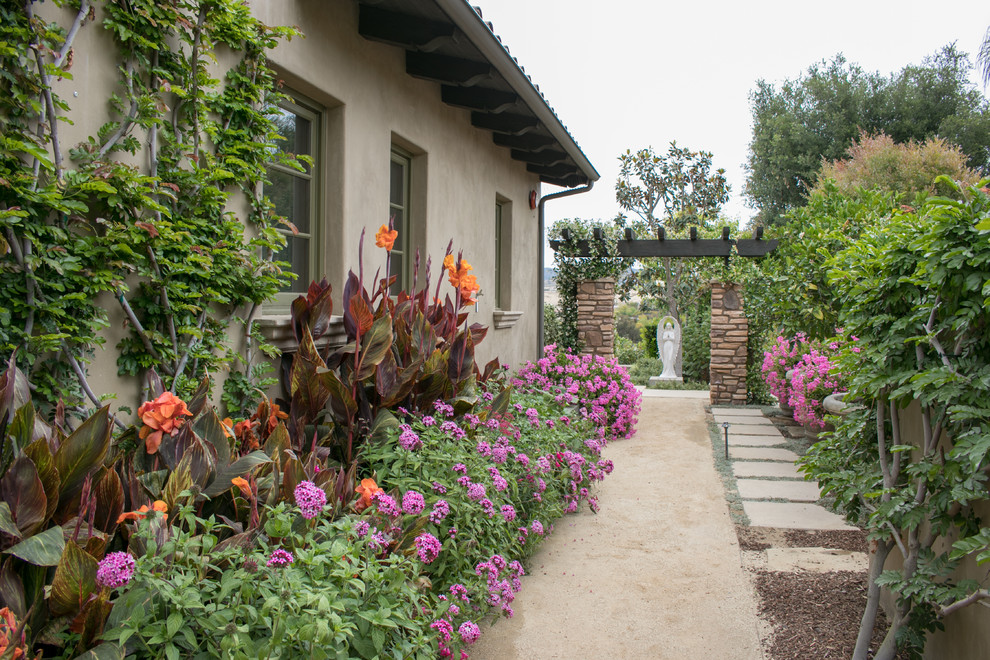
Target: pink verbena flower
{"x": 310, "y": 499}
{"x": 441, "y": 509}
{"x": 279, "y": 558}
{"x": 413, "y": 503}
{"x": 115, "y": 570}
{"x": 428, "y": 547}
{"x": 387, "y": 505}
{"x": 469, "y": 632}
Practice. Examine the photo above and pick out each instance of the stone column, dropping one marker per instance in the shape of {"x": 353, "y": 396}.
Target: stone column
{"x": 596, "y": 316}
{"x": 730, "y": 329}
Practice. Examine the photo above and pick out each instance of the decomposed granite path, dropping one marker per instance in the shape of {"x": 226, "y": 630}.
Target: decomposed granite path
{"x": 656, "y": 574}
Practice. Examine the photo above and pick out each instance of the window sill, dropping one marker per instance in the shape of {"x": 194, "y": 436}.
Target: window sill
{"x": 504, "y": 319}
{"x": 277, "y": 330}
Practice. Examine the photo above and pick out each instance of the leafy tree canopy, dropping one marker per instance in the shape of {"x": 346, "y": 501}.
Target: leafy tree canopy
{"x": 905, "y": 169}
{"x": 675, "y": 190}
{"x": 816, "y": 117}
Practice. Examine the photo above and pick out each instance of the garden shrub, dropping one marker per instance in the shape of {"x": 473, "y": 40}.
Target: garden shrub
{"x": 913, "y": 292}
{"x": 626, "y": 351}
{"x": 598, "y": 386}
{"x": 648, "y": 338}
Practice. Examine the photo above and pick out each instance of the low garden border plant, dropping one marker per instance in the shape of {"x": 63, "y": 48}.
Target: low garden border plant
{"x": 382, "y": 510}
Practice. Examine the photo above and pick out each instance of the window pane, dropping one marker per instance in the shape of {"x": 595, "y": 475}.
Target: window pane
{"x": 297, "y": 131}
{"x": 398, "y": 183}
{"x": 296, "y": 252}
{"x": 395, "y": 268}
{"x": 398, "y": 224}
{"x": 291, "y": 197}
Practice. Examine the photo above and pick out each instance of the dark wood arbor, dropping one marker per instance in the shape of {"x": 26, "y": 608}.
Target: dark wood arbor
{"x": 729, "y": 326}
{"x": 662, "y": 246}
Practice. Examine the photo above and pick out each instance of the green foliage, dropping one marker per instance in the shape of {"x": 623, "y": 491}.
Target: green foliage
{"x": 792, "y": 293}
{"x": 93, "y": 232}
{"x": 648, "y": 339}
{"x": 626, "y": 352}
{"x": 194, "y": 595}
{"x": 571, "y": 270}
{"x": 674, "y": 191}
{"x": 819, "y": 115}
{"x": 696, "y": 348}
{"x": 58, "y": 510}
{"x": 915, "y": 292}
{"x": 645, "y": 368}
{"x": 904, "y": 169}
{"x": 551, "y": 326}
{"x": 408, "y": 351}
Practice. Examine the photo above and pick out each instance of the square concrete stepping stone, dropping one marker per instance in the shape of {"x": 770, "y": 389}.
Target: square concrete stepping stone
{"x": 754, "y": 429}
{"x": 792, "y": 515}
{"x": 754, "y": 440}
{"x": 738, "y": 412}
{"x": 815, "y": 560}
{"x": 748, "y": 419}
{"x": 762, "y": 454}
{"x": 765, "y": 469}
{"x": 765, "y": 489}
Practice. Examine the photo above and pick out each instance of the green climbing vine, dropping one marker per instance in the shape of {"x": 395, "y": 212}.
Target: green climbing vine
{"x": 158, "y": 213}
{"x": 571, "y": 269}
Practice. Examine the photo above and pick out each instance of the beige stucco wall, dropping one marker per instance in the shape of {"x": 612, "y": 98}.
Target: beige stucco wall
{"x": 371, "y": 104}
{"x": 967, "y": 631}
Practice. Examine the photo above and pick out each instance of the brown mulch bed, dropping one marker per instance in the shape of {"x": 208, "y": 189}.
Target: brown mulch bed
{"x": 812, "y": 616}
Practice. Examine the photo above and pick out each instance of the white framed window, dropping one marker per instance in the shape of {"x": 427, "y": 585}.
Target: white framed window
{"x": 295, "y": 193}
{"x": 400, "y": 211}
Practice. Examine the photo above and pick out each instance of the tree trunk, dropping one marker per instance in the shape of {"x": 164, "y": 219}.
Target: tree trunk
{"x": 868, "y": 622}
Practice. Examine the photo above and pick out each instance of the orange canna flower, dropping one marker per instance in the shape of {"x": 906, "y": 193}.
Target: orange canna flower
{"x": 367, "y": 490}
{"x": 227, "y": 424}
{"x": 143, "y": 512}
{"x": 243, "y": 484}
{"x": 8, "y": 628}
{"x": 385, "y": 238}
{"x": 161, "y": 416}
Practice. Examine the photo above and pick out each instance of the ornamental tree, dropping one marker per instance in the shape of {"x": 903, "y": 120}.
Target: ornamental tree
{"x": 673, "y": 192}
{"x": 915, "y": 292}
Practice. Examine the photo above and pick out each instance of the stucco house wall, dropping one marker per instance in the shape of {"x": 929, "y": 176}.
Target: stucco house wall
{"x": 967, "y": 631}
{"x": 368, "y": 103}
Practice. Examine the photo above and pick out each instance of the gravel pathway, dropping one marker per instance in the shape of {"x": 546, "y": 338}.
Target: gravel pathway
{"x": 656, "y": 574}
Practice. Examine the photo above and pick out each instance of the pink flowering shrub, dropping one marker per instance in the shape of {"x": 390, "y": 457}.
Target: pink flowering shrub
{"x": 597, "y": 386}
{"x": 814, "y": 379}
{"x": 813, "y": 376}
{"x": 781, "y": 358}
{"x": 485, "y": 488}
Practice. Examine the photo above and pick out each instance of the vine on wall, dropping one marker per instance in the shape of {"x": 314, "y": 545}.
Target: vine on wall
{"x": 141, "y": 216}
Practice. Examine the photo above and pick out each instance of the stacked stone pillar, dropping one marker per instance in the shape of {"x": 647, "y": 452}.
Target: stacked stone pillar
{"x": 730, "y": 330}
{"x": 596, "y": 316}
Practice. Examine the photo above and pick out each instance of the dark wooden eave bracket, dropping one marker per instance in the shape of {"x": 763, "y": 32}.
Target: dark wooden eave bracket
{"x": 679, "y": 247}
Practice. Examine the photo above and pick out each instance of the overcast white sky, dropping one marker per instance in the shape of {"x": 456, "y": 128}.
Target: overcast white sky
{"x": 626, "y": 74}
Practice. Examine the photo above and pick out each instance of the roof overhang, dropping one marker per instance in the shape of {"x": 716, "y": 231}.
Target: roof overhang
{"x": 448, "y": 42}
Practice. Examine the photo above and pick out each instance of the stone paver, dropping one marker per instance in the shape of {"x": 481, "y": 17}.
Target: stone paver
{"x": 765, "y": 489}
{"x": 722, "y": 410}
{"x": 815, "y": 560}
{"x": 754, "y": 429}
{"x": 763, "y": 454}
{"x": 792, "y": 515}
{"x": 755, "y": 440}
{"x": 749, "y": 420}
{"x": 765, "y": 469}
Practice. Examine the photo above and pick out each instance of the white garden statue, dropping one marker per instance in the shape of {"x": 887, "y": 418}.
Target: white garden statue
{"x": 669, "y": 348}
